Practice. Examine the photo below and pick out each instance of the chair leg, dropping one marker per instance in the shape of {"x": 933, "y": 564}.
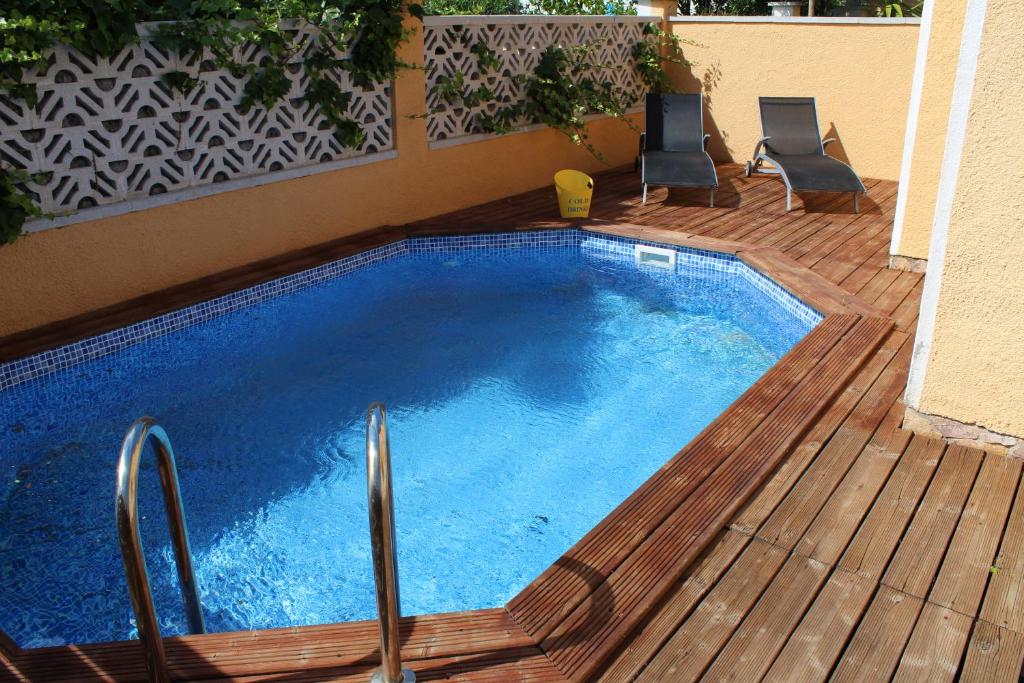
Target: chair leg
{"x": 644, "y": 200}
{"x": 789, "y": 200}
{"x": 856, "y": 205}
{"x": 711, "y": 203}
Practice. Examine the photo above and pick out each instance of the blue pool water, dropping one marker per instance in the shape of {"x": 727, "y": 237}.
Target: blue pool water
{"x": 528, "y": 393}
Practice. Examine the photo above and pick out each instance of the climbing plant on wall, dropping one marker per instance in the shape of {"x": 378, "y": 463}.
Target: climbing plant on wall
{"x": 568, "y": 83}
{"x": 356, "y": 37}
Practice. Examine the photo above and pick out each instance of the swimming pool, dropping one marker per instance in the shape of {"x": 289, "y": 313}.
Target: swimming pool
{"x": 533, "y": 381}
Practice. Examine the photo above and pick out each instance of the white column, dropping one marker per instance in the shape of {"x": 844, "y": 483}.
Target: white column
{"x": 963, "y": 89}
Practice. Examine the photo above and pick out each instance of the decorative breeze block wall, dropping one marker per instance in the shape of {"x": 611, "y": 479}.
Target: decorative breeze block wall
{"x": 109, "y": 130}
{"x": 518, "y": 42}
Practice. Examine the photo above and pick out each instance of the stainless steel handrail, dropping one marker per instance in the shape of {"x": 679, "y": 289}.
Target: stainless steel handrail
{"x": 382, "y": 538}
{"x": 126, "y": 504}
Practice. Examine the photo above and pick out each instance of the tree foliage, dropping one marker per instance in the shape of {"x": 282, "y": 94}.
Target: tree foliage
{"x": 747, "y": 7}
{"x": 564, "y": 7}
{"x": 472, "y": 7}
{"x": 568, "y": 84}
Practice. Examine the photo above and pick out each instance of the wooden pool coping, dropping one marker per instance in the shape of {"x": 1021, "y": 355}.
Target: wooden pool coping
{"x": 577, "y": 613}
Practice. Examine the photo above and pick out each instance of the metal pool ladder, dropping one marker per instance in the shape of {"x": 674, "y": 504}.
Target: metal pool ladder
{"x": 382, "y": 537}
{"x": 126, "y": 504}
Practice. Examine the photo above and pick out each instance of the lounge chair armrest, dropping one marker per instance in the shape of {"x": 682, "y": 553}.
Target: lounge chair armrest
{"x": 760, "y": 146}
{"x": 643, "y": 142}
{"x": 826, "y": 142}
{"x": 707, "y": 136}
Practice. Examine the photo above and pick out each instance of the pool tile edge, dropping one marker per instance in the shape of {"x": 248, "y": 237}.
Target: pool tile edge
{"x": 699, "y": 252}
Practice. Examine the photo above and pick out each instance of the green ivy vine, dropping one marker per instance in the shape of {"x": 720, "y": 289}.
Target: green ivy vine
{"x": 652, "y": 54}
{"x": 16, "y": 206}
{"x": 357, "y": 37}
{"x": 567, "y": 85}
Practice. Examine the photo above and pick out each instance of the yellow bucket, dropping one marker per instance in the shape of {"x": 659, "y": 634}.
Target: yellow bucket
{"x": 574, "y": 192}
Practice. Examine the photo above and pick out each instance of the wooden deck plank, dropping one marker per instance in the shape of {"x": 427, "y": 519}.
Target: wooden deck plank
{"x": 820, "y": 207}
{"x": 865, "y": 275}
{"x": 847, "y": 258}
{"x": 796, "y": 513}
{"x": 678, "y": 606}
{"x": 762, "y": 505}
{"x": 684, "y": 207}
{"x": 818, "y": 292}
{"x": 851, "y": 242}
{"x": 878, "y": 643}
{"x": 850, "y": 257}
{"x": 697, "y": 217}
{"x": 905, "y": 315}
{"x": 253, "y": 652}
{"x": 873, "y": 288}
{"x": 967, "y": 566}
{"x": 935, "y": 648}
{"x": 876, "y": 540}
{"x": 993, "y": 654}
{"x": 837, "y": 522}
{"x": 1004, "y": 600}
{"x": 762, "y": 205}
{"x": 656, "y": 234}
{"x": 818, "y": 230}
{"x": 813, "y": 648}
{"x": 847, "y": 234}
{"x": 759, "y": 228}
{"x": 763, "y": 632}
{"x": 831, "y": 230}
{"x": 8, "y": 648}
{"x": 917, "y": 560}
{"x": 839, "y": 257}
{"x": 694, "y": 646}
{"x": 512, "y": 666}
{"x": 899, "y": 290}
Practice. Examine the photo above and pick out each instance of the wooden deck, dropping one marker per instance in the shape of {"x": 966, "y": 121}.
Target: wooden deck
{"x": 802, "y": 536}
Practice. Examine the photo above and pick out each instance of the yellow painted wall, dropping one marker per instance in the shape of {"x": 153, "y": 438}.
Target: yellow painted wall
{"x": 930, "y": 138}
{"x": 975, "y": 370}
{"x": 859, "y": 73}
{"x": 59, "y": 273}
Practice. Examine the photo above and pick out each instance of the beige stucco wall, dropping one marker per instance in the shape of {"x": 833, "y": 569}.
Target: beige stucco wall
{"x": 859, "y": 73}
{"x": 59, "y": 273}
{"x": 63, "y": 272}
{"x": 922, "y": 182}
{"x": 975, "y": 369}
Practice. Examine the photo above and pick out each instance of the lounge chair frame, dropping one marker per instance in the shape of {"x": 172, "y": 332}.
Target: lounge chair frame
{"x": 762, "y": 154}
{"x": 638, "y": 163}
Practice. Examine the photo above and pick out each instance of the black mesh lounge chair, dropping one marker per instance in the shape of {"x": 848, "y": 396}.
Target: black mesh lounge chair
{"x": 791, "y": 143}
{"x": 672, "y": 150}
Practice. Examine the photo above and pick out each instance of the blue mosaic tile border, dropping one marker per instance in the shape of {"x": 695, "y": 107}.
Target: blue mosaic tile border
{"x": 602, "y": 245}
{"x": 706, "y": 262}
{"x": 780, "y": 295}
{"x": 534, "y": 241}
{"x": 596, "y": 245}
{"x": 47, "y": 362}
